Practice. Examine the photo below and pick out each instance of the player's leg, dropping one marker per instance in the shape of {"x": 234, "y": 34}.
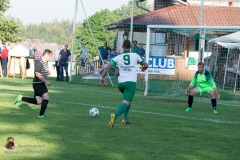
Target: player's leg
{"x": 213, "y": 101}
{"x": 44, "y": 103}
{"x": 128, "y": 90}
{"x": 81, "y": 67}
{"x": 42, "y": 98}
{"x": 113, "y": 115}
{"x": 192, "y": 92}
{"x": 29, "y": 99}
{"x": 125, "y": 119}
{"x": 129, "y": 95}
{"x": 57, "y": 70}
{"x": 25, "y": 99}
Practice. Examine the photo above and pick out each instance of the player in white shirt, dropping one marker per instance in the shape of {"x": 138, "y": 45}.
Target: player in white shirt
{"x": 127, "y": 63}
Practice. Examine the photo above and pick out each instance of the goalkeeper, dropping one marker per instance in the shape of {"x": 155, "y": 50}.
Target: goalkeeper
{"x": 205, "y": 84}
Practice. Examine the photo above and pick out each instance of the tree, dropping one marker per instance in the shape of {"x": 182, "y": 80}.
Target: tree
{"x": 9, "y": 27}
{"x": 58, "y": 32}
{"x": 97, "y": 23}
{"x": 4, "y": 5}
{"x": 125, "y": 11}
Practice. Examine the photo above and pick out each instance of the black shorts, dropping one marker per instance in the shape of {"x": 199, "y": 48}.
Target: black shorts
{"x": 39, "y": 89}
{"x": 83, "y": 62}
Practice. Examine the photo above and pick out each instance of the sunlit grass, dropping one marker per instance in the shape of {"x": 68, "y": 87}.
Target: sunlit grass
{"x": 161, "y": 128}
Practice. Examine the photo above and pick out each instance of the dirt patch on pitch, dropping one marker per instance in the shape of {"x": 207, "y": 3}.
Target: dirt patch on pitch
{"x": 169, "y": 100}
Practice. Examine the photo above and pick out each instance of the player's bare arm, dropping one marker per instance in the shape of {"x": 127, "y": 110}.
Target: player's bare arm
{"x": 106, "y": 70}
{"x": 188, "y": 88}
{"x": 144, "y": 66}
{"x": 217, "y": 93}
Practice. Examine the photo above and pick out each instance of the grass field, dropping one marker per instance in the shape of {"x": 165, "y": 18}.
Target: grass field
{"x": 161, "y": 128}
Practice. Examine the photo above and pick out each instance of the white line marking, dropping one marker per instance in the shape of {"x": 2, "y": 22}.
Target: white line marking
{"x": 138, "y": 95}
{"x": 202, "y": 100}
{"x": 154, "y": 113}
{"x": 226, "y": 103}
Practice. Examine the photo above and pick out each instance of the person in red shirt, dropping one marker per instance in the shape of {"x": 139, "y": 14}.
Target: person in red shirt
{"x": 4, "y": 57}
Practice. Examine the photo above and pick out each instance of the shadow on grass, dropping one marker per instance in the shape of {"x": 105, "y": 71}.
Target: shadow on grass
{"x": 70, "y": 133}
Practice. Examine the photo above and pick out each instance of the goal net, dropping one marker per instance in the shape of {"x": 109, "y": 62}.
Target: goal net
{"x": 174, "y": 51}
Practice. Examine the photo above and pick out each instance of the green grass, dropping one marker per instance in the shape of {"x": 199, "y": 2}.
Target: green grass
{"x": 161, "y": 128}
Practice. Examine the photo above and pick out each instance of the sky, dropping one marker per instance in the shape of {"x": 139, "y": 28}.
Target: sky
{"x": 37, "y": 11}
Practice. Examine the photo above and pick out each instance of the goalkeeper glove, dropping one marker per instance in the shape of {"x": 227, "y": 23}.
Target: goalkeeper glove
{"x": 188, "y": 89}
{"x": 217, "y": 94}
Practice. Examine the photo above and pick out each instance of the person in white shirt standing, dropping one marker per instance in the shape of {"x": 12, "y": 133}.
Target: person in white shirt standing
{"x": 56, "y": 54}
{"x": 127, "y": 63}
{"x": 84, "y": 57}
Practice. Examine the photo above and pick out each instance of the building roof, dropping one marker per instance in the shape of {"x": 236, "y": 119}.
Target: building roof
{"x": 183, "y": 15}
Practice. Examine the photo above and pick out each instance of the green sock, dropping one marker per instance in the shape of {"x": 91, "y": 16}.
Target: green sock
{"x": 122, "y": 108}
{"x": 126, "y": 112}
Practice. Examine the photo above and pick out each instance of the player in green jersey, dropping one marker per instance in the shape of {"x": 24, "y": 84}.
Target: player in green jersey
{"x": 205, "y": 84}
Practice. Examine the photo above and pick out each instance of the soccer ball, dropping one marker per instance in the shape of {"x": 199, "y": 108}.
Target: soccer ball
{"x": 94, "y": 112}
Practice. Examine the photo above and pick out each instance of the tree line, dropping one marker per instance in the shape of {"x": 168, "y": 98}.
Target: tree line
{"x": 53, "y": 32}
{"x": 61, "y": 31}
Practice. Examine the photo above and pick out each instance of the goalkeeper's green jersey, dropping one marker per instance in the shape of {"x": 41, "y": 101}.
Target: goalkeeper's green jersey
{"x": 203, "y": 80}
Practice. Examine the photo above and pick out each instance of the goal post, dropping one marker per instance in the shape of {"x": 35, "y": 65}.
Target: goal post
{"x": 174, "y": 51}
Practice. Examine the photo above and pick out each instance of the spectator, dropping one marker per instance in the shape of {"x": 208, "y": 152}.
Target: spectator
{"x": 84, "y": 57}
{"x": 112, "y": 54}
{"x": 141, "y": 51}
{"x": 56, "y": 54}
{"x": 229, "y": 64}
{"x": 4, "y": 57}
{"x": 31, "y": 50}
{"x": 63, "y": 59}
{"x": 105, "y": 63}
{"x": 134, "y": 47}
{"x": 37, "y": 53}
{"x": 9, "y": 45}
{"x": 232, "y": 68}
{"x": 1, "y": 47}
{"x": 235, "y": 64}
{"x": 104, "y": 52}
{"x": 213, "y": 61}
